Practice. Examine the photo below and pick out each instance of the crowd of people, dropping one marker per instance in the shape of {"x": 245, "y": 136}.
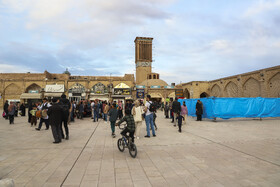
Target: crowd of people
{"x": 59, "y": 112}
{"x": 10, "y": 111}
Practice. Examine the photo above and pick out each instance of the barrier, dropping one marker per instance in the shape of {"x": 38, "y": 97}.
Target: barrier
{"x": 227, "y": 108}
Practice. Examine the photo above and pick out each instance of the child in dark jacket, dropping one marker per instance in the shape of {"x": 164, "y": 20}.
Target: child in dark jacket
{"x": 180, "y": 119}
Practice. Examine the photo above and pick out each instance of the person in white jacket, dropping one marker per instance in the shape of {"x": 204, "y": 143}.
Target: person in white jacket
{"x": 137, "y": 112}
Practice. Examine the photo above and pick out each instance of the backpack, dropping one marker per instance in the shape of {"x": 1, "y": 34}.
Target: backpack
{"x": 152, "y": 107}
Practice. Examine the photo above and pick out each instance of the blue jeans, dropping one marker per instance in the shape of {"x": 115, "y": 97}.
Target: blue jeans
{"x": 95, "y": 115}
{"x": 149, "y": 121}
{"x": 105, "y": 117}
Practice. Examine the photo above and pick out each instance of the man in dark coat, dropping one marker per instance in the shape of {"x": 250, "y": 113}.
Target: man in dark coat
{"x": 176, "y": 107}
{"x": 199, "y": 110}
{"x": 65, "y": 105}
{"x": 22, "y": 109}
{"x": 55, "y": 113}
{"x": 6, "y": 106}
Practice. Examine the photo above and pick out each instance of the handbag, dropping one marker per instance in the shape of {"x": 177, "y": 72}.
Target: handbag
{"x": 4, "y": 114}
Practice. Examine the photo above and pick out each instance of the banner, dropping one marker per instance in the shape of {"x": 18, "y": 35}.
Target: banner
{"x": 140, "y": 93}
{"x": 227, "y": 108}
{"x": 179, "y": 93}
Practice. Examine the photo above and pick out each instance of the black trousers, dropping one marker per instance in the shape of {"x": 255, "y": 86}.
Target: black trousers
{"x": 46, "y": 122}
{"x": 56, "y": 131}
{"x": 180, "y": 125}
{"x": 199, "y": 117}
{"x": 64, "y": 122}
{"x": 131, "y": 133}
{"x": 7, "y": 116}
{"x": 11, "y": 118}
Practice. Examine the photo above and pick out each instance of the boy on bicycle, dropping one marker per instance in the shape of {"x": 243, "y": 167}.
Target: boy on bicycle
{"x": 130, "y": 124}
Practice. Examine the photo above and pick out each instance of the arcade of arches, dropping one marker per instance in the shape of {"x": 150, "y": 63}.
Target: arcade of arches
{"x": 261, "y": 83}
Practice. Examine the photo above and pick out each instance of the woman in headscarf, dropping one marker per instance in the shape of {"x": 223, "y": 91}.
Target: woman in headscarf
{"x": 137, "y": 112}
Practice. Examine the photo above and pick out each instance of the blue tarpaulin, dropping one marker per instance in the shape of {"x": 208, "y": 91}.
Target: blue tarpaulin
{"x": 235, "y": 107}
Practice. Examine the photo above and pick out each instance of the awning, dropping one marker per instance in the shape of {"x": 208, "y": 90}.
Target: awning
{"x": 31, "y": 96}
{"x": 156, "y": 95}
{"x": 121, "y": 96}
{"x": 99, "y": 97}
{"x": 52, "y": 94}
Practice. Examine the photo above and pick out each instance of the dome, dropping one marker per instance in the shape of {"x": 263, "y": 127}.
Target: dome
{"x": 67, "y": 72}
{"x": 154, "y": 82}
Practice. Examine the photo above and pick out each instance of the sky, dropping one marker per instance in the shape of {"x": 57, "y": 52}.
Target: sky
{"x": 194, "y": 40}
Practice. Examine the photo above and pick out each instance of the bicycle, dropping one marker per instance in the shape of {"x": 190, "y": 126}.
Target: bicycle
{"x": 126, "y": 142}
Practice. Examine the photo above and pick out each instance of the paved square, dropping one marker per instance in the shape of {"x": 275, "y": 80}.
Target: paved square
{"x": 238, "y": 152}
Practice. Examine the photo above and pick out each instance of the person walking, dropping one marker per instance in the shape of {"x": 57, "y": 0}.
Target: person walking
{"x": 44, "y": 118}
{"x": 22, "y": 109}
{"x": 73, "y": 109}
{"x": 113, "y": 113}
{"x": 170, "y": 110}
{"x": 96, "y": 111}
{"x": 166, "y": 110}
{"x": 179, "y": 118}
{"x": 65, "y": 105}
{"x": 30, "y": 107}
{"x": 149, "y": 117}
{"x": 199, "y": 110}
{"x": 106, "y": 110}
{"x": 176, "y": 107}
{"x": 33, "y": 119}
{"x": 11, "y": 113}
{"x": 120, "y": 109}
{"x": 81, "y": 110}
{"x": 56, "y": 115}
{"x": 184, "y": 111}
{"x": 6, "y": 106}
{"x": 137, "y": 112}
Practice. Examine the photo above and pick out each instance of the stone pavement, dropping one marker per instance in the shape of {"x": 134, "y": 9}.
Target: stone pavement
{"x": 239, "y": 152}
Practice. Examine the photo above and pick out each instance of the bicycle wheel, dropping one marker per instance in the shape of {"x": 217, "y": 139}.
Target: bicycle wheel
{"x": 121, "y": 145}
{"x": 133, "y": 150}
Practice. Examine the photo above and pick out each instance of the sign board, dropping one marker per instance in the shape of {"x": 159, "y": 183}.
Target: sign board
{"x": 179, "y": 93}
{"x": 122, "y": 91}
{"x": 55, "y": 88}
{"x": 170, "y": 87}
{"x": 33, "y": 91}
{"x": 140, "y": 86}
{"x": 140, "y": 93}
{"x": 155, "y": 87}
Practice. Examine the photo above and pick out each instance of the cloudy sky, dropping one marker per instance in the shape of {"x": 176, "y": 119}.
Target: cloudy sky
{"x": 193, "y": 39}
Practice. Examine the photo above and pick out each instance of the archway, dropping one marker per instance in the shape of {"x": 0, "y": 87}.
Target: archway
{"x": 274, "y": 85}
{"x": 251, "y": 88}
{"x": 12, "y": 92}
{"x": 33, "y": 88}
{"x": 203, "y": 95}
{"x": 99, "y": 88}
{"x": 186, "y": 93}
{"x": 122, "y": 85}
{"x": 77, "y": 92}
{"x": 231, "y": 90}
{"x": 216, "y": 91}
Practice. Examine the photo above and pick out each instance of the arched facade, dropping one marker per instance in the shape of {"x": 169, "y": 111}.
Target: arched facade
{"x": 203, "y": 95}
{"x": 77, "y": 88}
{"x": 274, "y": 85}
{"x": 231, "y": 90}
{"x": 99, "y": 88}
{"x": 186, "y": 93}
{"x": 216, "y": 91}
{"x": 251, "y": 88}
{"x": 33, "y": 88}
